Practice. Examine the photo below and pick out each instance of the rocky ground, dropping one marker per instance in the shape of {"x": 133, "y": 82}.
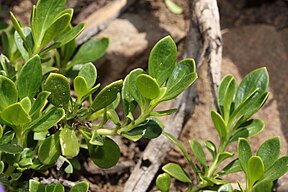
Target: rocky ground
{"x": 254, "y": 35}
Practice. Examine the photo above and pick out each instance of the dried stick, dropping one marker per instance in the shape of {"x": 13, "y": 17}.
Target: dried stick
{"x": 203, "y": 43}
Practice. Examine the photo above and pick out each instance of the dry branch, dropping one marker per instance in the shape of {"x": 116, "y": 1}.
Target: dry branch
{"x": 203, "y": 43}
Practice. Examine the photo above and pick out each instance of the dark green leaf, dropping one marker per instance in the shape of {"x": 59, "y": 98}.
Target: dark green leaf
{"x": 69, "y": 142}
{"x": 47, "y": 120}
{"x": 163, "y": 182}
{"x": 107, "y": 95}
{"x": 147, "y": 86}
{"x": 54, "y": 188}
{"x": 219, "y": 124}
{"x": 49, "y": 150}
{"x": 80, "y": 187}
{"x": 59, "y": 87}
{"x": 89, "y": 52}
{"x": 15, "y": 114}
{"x": 198, "y": 152}
{"x": 244, "y": 153}
{"x": 177, "y": 172}
{"x": 255, "y": 170}
{"x": 162, "y": 59}
{"x": 8, "y": 92}
{"x": 181, "y": 78}
{"x": 30, "y": 78}
{"x": 279, "y": 168}
{"x": 105, "y": 156}
{"x": 264, "y": 187}
{"x": 11, "y": 148}
{"x": 89, "y": 72}
{"x": 69, "y": 35}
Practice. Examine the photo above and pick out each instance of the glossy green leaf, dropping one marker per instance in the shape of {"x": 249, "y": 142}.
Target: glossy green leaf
{"x": 8, "y": 92}
{"x": 255, "y": 170}
{"x": 43, "y": 16}
{"x": 163, "y": 182}
{"x": 211, "y": 148}
{"x": 198, "y": 152}
{"x": 248, "y": 129}
{"x": 181, "y": 78}
{"x": 11, "y": 148}
{"x": 163, "y": 113}
{"x": 30, "y": 78}
{"x": 50, "y": 149}
{"x": 15, "y": 114}
{"x": 174, "y": 8}
{"x": 89, "y": 52}
{"x": 80, "y": 187}
{"x": 177, "y": 172}
{"x": 80, "y": 86}
{"x": 47, "y": 120}
{"x": 39, "y": 104}
{"x": 147, "y": 86}
{"x": 54, "y": 188}
{"x": 244, "y": 153}
{"x": 219, "y": 124}
{"x": 107, "y": 95}
{"x": 105, "y": 156}
{"x": 89, "y": 72}
{"x": 269, "y": 151}
{"x": 26, "y": 104}
{"x": 162, "y": 59}
{"x": 59, "y": 87}
{"x": 69, "y": 142}
{"x": 257, "y": 79}
{"x": 35, "y": 186}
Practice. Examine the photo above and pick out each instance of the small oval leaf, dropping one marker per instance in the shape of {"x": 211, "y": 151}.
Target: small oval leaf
{"x": 255, "y": 170}
{"x": 49, "y": 150}
{"x": 198, "y": 152}
{"x": 163, "y": 182}
{"x": 80, "y": 187}
{"x": 8, "y": 92}
{"x": 15, "y": 114}
{"x": 147, "y": 86}
{"x": 244, "y": 153}
{"x": 69, "y": 142}
{"x": 89, "y": 72}
{"x": 177, "y": 172}
{"x": 80, "y": 86}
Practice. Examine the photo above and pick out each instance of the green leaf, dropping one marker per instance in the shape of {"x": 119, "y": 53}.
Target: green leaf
{"x": 80, "y": 187}
{"x": 26, "y": 104}
{"x": 279, "y": 168}
{"x": 89, "y": 52}
{"x": 264, "y": 187}
{"x": 225, "y": 188}
{"x": 163, "y": 182}
{"x": 49, "y": 150}
{"x": 17, "y": 26}
{"x": 35, "y": 186}
{"x": 163, "y": 113}
{"x": 211, "y": 148}
{"x": 43, "y": 16}
{"x": 147, "y": 86}
{"x": 198, "y": 152}
{"x": 21, "y": 45}
{"x": 39, "y": 104}
{"x": 219, "y": 124}
{"x": 224, "y": 155}
{"x": 69, "y": 167}
{"x": 30, "y": 78}
{"x": 213, "y": 181}
{"x": 8, "y": 92}
{"x": 69, "y": 142}
{"x": 177, "y": 172}
{"x": 174, "y": 8}
{"x": 255, "y": 170}
{"x": 47, "y": 120}
{"x": 69, "y": 35}
{"x": 89, "y": 73}
{"x": 105, "y": 156}
{"x": 257, "y": 79}
{"x": 162, "y": 59}
{"x": 80, "y": 86}
{"x": 269, "y": 151}
{"x": 107, "y": 95}
{"x": 244, "y": 153}
{"x": 15, "y": 114}
{"x": 11, "y": 148}
{"x": 233, "y": 167}
{"x": 59, "y": 87}
{"x": 181, "y": 78}
{"x": 248, "y": 129}
{"x": 54, "y": 188}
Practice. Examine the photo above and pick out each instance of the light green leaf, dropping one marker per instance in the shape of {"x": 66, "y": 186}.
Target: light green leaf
{"x": 225, "y": 188}
{"x": 47, "y": 120}
{"x": 30, "y": 78}
{"x": 80, "y": 86}
{"x": 59, "y": 87}
{"x": 198, "y": 152}
{"x": 8, "y": 92}
{"x": 269, "y": 151}
{"x": 174, "y": 8}
{"x": 26, "y": 104}
{"x": 264, "y": 187}
{"x": 89, "y": 52}
{"x": 105, "y": 156}
{"x": 69, "y": 142}
{"x": 244, "y": 153}
{"x": 50, "y": 150}
{"x": 80, "y": 187}
{"x": 54, "y": 188}
{"x": 17, "y": 26}
{"x": 107, "y": 95}
{"x": 177, "y": 172}
{"x": 89, "y": 73}
{"x": 163, "y": 182}
{"x": 162, "y": 59}
{"x": 39, "y": 104}
{"x": 21, "y": 44}
{"x": 147, "y": 86}
{"x": 233, "y": 167}
{"x": 35, "y": 186}
{"x": 11, "y": 148}
{"x": 15, "y": 114}
{"x": 255, "y": 170}
{"x": 224, "y": 155}
{"x": 181, "y": 78}
{"x": 70, "y": 34}
{"x": 219, "y": 124}
{"x": 211, "y": 148}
